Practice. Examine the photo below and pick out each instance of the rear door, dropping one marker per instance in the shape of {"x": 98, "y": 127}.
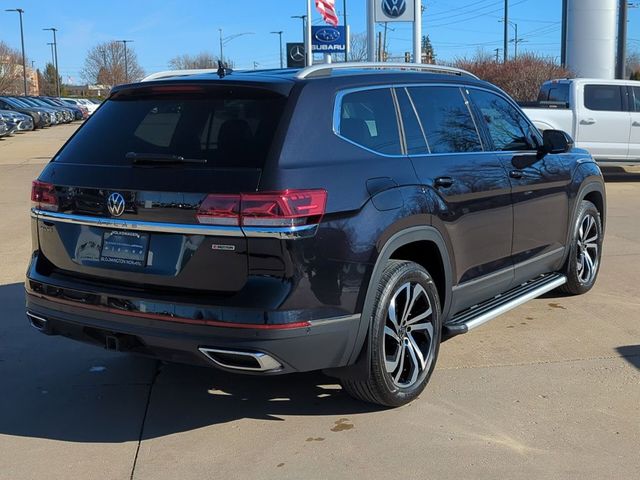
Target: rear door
{"x": 131, "y": 181}
{"x": 604, "y": 123}
{"x": 540, "y": 190}
{"x": 634, "y": 137}
{"x": 468, "y": 186}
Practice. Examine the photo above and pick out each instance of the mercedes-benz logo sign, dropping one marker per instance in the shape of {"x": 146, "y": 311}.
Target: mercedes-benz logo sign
{"x": 394, "y": 8}
{"x": 115, "y": 204}
{"x": 297, "y": 53}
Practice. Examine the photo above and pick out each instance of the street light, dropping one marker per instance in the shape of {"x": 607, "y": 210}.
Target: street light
{"x": 126, "y": 64}
{"x": 24, "y": 62}
{"x": 279, "y": 33}
{"x": 304, "y": 31}
{"x": 55, "y": 64}
{"x": 226, "y": 40}
{"x": 516, "y": 41}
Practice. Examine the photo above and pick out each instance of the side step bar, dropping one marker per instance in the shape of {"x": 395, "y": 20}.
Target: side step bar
{"x": 482, "y": 313}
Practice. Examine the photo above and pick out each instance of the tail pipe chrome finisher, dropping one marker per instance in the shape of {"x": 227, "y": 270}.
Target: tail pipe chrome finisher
{"x": 238, "y": 360}
{"x": 37, "y": 322}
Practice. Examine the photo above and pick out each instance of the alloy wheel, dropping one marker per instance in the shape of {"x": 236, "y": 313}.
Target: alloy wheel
{"x": 588, "y": 250}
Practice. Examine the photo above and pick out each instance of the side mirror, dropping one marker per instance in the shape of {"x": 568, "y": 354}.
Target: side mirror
{"x": 556, "y": 141}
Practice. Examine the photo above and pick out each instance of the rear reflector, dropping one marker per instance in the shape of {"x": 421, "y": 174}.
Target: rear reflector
{"x": 43, "y": 196}
{"x": 289, "y": 208}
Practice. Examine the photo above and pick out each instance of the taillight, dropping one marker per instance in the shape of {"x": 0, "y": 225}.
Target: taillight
{"x": 289, "y": 208}
{"x": 43, "y": 196}
{"x": 220, "y": 210}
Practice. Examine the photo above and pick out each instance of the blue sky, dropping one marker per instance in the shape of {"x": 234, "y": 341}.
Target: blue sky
{"x": 163, "y": 29}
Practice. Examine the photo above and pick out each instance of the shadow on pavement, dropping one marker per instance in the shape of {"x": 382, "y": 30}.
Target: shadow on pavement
{"x": 55, "y": 388}
{"x": 631, "y": 353}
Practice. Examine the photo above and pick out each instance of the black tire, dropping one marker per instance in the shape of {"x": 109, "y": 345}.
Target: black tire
{"x": 422, "y": 331}
{"x": 578, "y": 282}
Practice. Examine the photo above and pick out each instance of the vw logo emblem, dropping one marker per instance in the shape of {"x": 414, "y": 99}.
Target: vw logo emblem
{"x": 115, "y": 204}
{"x": 394, "y": 8}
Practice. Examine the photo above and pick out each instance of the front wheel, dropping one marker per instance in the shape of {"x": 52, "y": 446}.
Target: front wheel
{"x": 585, "y": 251}
{"x": 405, "y": 337}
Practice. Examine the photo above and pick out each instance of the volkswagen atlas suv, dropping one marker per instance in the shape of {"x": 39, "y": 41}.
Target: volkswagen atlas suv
{"x": 343, "y": 218}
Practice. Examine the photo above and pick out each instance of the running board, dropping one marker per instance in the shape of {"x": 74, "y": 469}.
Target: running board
{"x": 483, "y": 312}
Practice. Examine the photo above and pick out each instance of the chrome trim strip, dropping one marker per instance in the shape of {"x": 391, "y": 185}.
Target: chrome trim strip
{"x": 267, "y": 363}
{"x": 33, "y": 317}
{"x": 516, "y": 302}
{"x": 284, "y": 233}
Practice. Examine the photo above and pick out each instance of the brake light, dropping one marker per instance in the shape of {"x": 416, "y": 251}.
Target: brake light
{"x": 43, "y": 196}
{"x": 289, "y": 208}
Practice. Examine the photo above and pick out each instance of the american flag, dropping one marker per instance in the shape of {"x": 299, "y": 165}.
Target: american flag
{"x": 327, "y": 9}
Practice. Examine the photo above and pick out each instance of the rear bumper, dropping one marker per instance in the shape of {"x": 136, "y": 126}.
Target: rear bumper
{"x": 300, "y": 347}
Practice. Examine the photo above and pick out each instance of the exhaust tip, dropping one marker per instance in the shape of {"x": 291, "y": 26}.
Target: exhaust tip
{"x": 236, "y": 360}
{"x": 37, "y": 322}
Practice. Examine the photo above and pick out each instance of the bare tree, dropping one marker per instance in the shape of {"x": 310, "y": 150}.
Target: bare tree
{"x": 105, "y": 64}
{"x": 633, "y": 65}
{"x": 358, "y": 47}
{"x": 10, "y": 70}
{"x": 520, "y": 78}
{"x": 186, "y": 61}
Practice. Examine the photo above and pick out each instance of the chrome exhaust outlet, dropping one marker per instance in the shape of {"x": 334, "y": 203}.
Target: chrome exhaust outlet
{"x": 37, "y": 322}
{"x": 247, "y": 361}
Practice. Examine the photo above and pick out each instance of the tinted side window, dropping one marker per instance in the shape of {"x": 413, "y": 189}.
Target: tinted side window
{"x": 505, "y": 124}
{"x": 606, "y": 98}
{"x": 368, "y": 118}
{"x": 413, "y": 132}
{"x": 636, "y": 94}
{"x": 446, "y": 119}
{"x": 554, "y": 92}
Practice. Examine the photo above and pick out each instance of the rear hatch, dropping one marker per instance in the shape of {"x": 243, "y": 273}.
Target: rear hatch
{"x": 120, "y": 202}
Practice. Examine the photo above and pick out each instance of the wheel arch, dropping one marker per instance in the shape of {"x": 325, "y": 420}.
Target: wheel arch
{"x": 417, "y": 244}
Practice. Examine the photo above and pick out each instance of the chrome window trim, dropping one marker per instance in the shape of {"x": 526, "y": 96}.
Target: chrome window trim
{"x": 283, "y": 233}
{"x": 337, "y": 108}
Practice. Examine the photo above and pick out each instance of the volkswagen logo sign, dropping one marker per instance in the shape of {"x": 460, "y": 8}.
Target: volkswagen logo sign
{"x": 394, "y": 8}
{"x": 328, "y": 35}
{"x": 115, "y": 204}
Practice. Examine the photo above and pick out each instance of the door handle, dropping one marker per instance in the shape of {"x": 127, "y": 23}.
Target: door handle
{"x": 443, "y": 182}
{"x": 636, "y": 124}
{"x": 588, "y": 121}
{"x": 517, "y": 174}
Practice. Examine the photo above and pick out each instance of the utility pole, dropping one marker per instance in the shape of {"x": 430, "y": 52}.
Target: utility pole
{"x": 379, "y": 55}
{"x": 126, "y": 63}
{"x": 384, "y": 41}
{"x": 221, "y": 56}
{"x": 24, "y": 61}
{"x": 622, "y": 40}
{"x": 506, "y": 30}
{"x": 55, "y": 63}
{"x": 565, "y": 20}
{"x": 497, "y": 50}
{"x": 279, "y": 33}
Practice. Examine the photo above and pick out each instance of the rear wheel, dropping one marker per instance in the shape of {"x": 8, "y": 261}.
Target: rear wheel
{"x": 405, "y": 337}
{"x": 585, "y": 252}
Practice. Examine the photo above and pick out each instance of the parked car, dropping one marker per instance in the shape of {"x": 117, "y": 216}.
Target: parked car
{"x": 344, "y": 218}
{"x": 603, "y": 116}
{"x": 40, "y": 118}
{"x": 61, "y": 115}
{"x": 23, "y": 122}
{"x": 82, "y": 102}
{"x": 5, "y": 128}
{"x": 74, "y": 112}
{"x": 56, "y": 115}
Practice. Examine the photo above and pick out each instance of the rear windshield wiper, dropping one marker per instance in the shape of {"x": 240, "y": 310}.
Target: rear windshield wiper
{"x": 161, "y": 158}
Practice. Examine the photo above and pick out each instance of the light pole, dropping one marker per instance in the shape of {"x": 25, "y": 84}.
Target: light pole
{"x": 506, "y": 31}
{"x": 24, "y": 61}
{"x": 517, "y": 40}
{"x": 126, "y": 63}
{"x": 225, "y": 40}
{"x": 279, "y": 33}
{"x": 55, "y": 60}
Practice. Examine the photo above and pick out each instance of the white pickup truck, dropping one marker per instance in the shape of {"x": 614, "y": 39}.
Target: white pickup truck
{"x": 602, "y": 116}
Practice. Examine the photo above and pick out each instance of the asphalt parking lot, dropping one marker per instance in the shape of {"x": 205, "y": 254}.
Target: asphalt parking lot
{"x": 550, "y": 390}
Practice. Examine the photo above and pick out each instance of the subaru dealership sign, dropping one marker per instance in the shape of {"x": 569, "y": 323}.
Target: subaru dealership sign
{"x": 394, "y": 10}
{"x": 328, "y": 39}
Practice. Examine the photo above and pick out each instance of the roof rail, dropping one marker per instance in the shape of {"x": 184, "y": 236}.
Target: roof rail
{"x": 178, "y": 73}
{"x": 326, "y": 68}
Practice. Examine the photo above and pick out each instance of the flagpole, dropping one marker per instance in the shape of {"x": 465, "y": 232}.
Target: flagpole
{"x": 307, "y": 40}
{"x": 417, "y": 33}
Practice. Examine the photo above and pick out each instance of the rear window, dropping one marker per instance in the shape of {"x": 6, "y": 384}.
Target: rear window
{"x": 554, "y": 92}
{"x": 229, "y": 128}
